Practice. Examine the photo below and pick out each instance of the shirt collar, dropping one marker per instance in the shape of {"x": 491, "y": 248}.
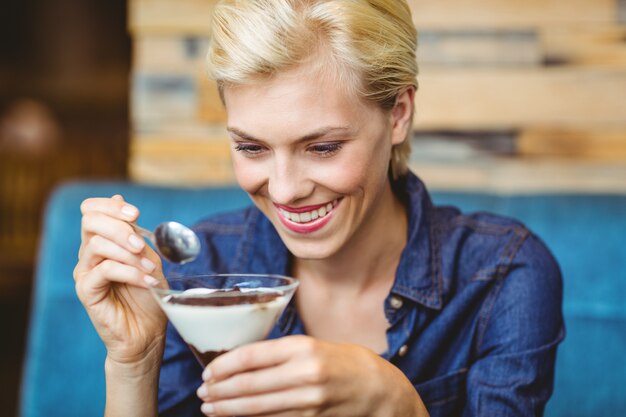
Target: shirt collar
{"x": 418, "y": 274}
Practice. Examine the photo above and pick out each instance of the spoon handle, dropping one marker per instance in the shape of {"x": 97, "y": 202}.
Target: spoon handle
{"x": 144, "y": 232}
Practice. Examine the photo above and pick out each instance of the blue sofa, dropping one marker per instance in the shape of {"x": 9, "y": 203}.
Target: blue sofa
{"x": 63, "y": 370}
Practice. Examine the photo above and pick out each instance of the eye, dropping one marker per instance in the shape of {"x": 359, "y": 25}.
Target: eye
{"x": 249, "y": 149}
{"x": 326, "y": 149}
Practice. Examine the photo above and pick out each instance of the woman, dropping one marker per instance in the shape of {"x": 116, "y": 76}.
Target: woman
{"x": 404, "y": 308}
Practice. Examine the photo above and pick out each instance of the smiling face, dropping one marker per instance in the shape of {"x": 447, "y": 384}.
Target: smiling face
{"x": 314, "y": 159}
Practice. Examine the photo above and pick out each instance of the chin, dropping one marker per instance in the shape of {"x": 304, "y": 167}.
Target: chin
{"x": 314, "y": 249}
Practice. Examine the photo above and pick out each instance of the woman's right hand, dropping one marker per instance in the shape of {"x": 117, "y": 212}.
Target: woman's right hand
{"x": 115, "y": 267}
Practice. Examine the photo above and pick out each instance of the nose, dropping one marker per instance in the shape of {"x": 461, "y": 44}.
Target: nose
{"x": 289, "y": 181}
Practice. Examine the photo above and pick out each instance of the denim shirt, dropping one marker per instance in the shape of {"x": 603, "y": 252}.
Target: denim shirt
{"x": 474, "y": 313}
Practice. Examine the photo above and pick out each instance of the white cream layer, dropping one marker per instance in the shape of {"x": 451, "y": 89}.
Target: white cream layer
{"x": 217, "y": 328}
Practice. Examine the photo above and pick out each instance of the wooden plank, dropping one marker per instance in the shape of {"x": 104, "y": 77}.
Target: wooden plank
{"x": 584, "y": 45}
{"x": 192, "y": 16}
{"x": 504, "y": 99}
{"x": 601, "y": 144}
{"x": 513, "y": 176}
{"x": 509, "y": 14}
{"x": 169, "y": 53}
{"x": 166, "y": 16}
{"x": 181, "y": 161}
{"x": 479, "y": 48}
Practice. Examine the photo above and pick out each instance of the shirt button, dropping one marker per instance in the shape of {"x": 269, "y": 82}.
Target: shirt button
{"x": 403, "y": 350}
{"x": 395, "y": 302}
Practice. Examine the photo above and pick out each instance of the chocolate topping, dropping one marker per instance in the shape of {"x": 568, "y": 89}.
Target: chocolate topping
{"x": 225, "y": 298}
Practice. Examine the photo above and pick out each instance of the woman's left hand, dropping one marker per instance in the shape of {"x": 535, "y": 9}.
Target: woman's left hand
{"x": 303, "y": 376}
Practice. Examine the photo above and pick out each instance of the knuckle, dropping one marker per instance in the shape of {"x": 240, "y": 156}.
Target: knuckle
{"x": 314, "y": 372}
{"x": 316, "y": 397}
{"x": 246, "y": 357}
{"x": 306, "y": 345}
{"x": 106, "y": 267}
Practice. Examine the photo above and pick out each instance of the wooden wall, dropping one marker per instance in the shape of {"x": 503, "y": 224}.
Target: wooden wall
{"x": 514, "y": 95}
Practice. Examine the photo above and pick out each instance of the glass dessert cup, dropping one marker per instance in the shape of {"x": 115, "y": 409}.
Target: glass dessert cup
{"x": 216, "y": 313}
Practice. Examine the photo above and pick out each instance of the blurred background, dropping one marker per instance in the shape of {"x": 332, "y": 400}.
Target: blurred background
{"x": 515, "y": 97}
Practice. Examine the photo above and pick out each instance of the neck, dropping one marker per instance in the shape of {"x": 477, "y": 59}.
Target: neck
{"x": 369, "y": 258}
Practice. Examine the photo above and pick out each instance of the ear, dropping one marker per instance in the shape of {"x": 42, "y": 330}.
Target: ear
{"x": 402, "y": 115}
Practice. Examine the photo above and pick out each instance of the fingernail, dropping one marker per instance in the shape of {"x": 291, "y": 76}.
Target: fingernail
{"x": 207, "y": 408}
{"x": 207, "y": 374}
{"x": 129, "y": 211}
{"x": 150, "y": 281}
{"x": 203, "y": 391}
{"x": 148, "y": 265}
{"x": 135, "y": 242}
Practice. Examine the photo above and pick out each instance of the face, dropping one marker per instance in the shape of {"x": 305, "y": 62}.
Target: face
{"x": 313, "y": 158}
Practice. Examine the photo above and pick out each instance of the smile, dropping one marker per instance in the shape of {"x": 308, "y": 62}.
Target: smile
{"x": 306, "y": 219}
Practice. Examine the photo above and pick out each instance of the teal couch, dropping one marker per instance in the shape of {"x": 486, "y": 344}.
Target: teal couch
{"x": 63, "y": 370}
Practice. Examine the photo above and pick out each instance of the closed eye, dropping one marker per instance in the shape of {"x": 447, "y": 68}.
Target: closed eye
{"x": 326, "y": 149}
{"x": 249, "y": 149}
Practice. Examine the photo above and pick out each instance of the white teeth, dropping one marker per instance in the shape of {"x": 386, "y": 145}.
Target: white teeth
{"x": 309, "y": 215}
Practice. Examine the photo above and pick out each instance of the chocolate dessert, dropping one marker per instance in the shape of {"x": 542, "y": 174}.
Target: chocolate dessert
{"x": 254, "y": 299}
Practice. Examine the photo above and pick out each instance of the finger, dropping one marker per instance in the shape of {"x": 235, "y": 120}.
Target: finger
{"x": 114, "y": 207}
{"x": 299, "y": 373}
{"x": 305, "y": 400}
{"x": 93, "y": 286}
{"x": 99, "y": 248}
{"x": 258, "y": 355}
{"x": 120, "y": 232}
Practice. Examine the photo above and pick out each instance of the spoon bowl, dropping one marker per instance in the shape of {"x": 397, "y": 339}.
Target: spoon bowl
{"x": 175, "y": 242}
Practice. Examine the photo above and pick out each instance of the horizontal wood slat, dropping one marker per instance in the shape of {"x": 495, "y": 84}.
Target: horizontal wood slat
{"x": 192, "y": 16}
{"x": 500, "y": 99}
{"x": 600, "y": 144}
{"x": 181, "y": 161}
{"x": 525, "y": 176}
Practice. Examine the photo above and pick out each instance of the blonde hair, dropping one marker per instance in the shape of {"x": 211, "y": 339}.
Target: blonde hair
{"x": 371, "y": 43}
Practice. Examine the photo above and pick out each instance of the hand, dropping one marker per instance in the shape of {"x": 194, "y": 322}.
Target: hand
{"x": 114, "y": 269}
{"x": 302, "y": 376}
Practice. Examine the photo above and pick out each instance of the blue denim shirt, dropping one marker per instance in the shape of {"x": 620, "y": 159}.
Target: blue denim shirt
{"x": 474, "y": 313}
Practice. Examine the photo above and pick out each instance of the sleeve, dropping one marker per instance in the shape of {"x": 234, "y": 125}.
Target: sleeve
{"x": 181, "y": 375}
{"x": 521, "y": 326}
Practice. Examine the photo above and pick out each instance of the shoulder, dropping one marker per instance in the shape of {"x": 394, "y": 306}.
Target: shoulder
{"x": 478, "y": 246}
{"x": 519, "y": 279}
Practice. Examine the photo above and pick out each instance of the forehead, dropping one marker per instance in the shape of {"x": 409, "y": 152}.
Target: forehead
{"x": 296, "y": 99}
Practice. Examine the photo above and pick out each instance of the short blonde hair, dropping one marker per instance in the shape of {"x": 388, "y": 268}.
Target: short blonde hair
{"x": 372, "y": 44}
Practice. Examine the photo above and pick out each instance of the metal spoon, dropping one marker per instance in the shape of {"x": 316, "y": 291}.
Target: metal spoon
{"x": 177, "y": 243}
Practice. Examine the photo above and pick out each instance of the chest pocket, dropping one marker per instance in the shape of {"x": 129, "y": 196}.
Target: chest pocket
{"x": 444, "y": 396}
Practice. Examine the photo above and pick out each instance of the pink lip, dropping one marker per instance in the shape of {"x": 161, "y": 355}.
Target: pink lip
{"x": 305, "y": 228}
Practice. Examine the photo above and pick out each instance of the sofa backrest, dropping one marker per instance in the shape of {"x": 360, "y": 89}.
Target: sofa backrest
{"x": 586, "y": 233}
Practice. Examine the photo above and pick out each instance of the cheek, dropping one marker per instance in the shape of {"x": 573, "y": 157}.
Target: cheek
{"x": 250, "y": 174}
{"x": 353, "y": 175}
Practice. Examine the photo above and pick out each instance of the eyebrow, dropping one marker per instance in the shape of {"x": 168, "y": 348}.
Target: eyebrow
{"x": 310, "y": 136}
